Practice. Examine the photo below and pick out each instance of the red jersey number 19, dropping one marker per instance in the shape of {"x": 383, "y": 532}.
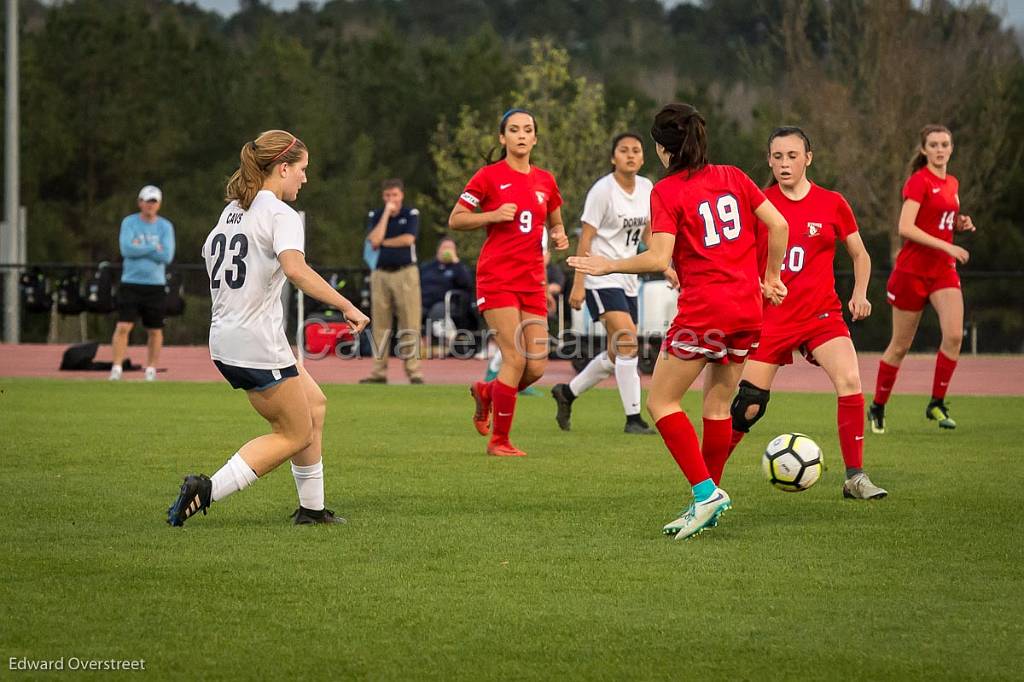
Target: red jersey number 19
{"x": 525, "y": 221}
{"x": 728, "y": 224}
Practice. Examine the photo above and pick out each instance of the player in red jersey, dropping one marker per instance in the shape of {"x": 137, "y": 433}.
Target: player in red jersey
{"x": 703, "y": 218}
{"x": 811, "y": 318}
{"x": 513, "y": 200}
{"x": 925, "y": 272}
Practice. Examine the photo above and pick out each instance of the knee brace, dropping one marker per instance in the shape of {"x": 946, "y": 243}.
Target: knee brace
{"x": 748, "y": 395}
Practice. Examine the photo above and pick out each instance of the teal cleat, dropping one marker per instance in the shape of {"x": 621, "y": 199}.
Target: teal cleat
{"x": 699, "y": 517}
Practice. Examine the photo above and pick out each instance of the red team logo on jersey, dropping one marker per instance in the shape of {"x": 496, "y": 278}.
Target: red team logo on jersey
{"x": 813, "y": 229}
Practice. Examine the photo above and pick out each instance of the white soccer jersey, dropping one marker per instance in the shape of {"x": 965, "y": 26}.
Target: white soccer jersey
{"x": 620, "y": 219}
{"x": 247, "y": 325}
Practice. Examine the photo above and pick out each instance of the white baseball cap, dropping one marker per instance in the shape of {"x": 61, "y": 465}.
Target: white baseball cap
{"x": 150, "y": 193}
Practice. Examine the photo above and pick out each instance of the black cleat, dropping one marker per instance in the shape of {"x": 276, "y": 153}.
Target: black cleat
{"x": 194, "y": 497}
{"x": 306, "y": 517}
{"x": 876, "y": 417}
{"x": 638, "y": 426}
{"x": 564, "y": 397}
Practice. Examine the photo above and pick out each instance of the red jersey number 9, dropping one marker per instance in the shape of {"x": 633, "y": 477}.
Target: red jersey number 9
{"x": 728, "y": 224}
{"x": 526, "y": 221}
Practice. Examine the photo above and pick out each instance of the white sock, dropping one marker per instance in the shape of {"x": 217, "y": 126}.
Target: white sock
{"x": 495, "y": 364}
{"x": 309, "y": 483}
{"x": 235, "y": 475}
{"x": 627, "y": 376}
{"x": 597, "y": 370}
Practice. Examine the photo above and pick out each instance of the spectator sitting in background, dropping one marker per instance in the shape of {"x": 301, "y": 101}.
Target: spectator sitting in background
{"x": 439, "y": 276}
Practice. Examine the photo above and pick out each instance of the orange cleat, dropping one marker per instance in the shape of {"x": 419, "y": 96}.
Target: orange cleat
{"x": 502, "y": 448}
{"x": 482, "y": 415}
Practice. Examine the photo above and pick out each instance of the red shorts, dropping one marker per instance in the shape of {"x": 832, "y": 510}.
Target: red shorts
{"x": 714, "y": 345}
{"x": 908, "y": 291}
{"x": 535, "y": 302}
{"x": 777, "y": 345}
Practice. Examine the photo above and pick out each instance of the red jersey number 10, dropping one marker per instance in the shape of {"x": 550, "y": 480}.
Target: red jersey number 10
{"x": 728, "y": 223}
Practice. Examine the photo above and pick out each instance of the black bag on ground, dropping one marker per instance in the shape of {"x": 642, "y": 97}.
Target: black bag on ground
{"x": 69, "y": 295}
{"x": 99, "y": 291}
{"x": 80, "y": 357}
{"x": 174, "y": 302}
{"x": 35, "y": 296}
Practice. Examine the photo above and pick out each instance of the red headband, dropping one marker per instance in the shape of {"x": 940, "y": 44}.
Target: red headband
{"x": 286, "y": 149}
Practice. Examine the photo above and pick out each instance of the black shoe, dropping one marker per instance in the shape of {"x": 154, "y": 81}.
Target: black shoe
{"x": 637, "y": 425}
{"x": 564, "y": 397}
{"x": 937, "y": 410}
{"x": 876, "y": 417}
{"x": 416, "y": 380}
{"x": 374, "y": 380}
{"x": 305, "y": 517}
{"x": 194, "y": 497}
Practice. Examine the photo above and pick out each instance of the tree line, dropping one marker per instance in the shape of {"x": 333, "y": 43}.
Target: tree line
{"x": 119, "y": 94}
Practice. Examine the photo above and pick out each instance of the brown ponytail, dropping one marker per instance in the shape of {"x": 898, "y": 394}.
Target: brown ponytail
{"x": 919, "y": 160}
{"x": 256, "y": 160}
{"x": 680, "y": 129}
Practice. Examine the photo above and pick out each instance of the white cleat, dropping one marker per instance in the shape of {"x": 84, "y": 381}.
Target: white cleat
{"x": 115, "y": 373}
{"x": 151, "y": 374}
{"x": 860, "y": 487}
{"x": 699, "y": 516}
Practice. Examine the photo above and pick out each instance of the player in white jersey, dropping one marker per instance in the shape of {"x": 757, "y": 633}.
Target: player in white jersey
{"x": 258, "y": 243}
{"x": 616, "y": 218}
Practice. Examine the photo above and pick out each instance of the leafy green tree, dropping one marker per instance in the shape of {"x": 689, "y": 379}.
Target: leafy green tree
{"x": 573, "y": 134}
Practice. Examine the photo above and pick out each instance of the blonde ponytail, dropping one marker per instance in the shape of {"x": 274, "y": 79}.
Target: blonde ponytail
{"x": 271, "y": 148}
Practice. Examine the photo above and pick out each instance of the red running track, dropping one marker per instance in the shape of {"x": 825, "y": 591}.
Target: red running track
{"x": 975, "y": 375}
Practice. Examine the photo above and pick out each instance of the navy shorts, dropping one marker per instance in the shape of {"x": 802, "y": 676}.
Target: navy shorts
{"x": 601, "y": 301}
{"x": 249, "y": 379}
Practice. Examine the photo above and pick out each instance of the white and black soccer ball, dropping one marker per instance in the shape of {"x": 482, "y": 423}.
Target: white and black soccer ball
{"x": 792, "y": 462}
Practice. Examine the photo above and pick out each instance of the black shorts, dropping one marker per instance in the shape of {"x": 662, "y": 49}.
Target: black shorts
{"x": 141, "y": 300}
{"x": 601, "y": 301}
{"x": 249, "y": 379}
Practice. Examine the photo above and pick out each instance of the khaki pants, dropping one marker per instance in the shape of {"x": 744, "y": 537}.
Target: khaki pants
{"x": 396, "y": 294}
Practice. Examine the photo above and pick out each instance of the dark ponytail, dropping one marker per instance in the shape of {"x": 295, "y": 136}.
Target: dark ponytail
{"x": 786, "y": 131}
{"x": 919, "y": 160}
{"x": 680, "y": 129}
{"x": 501, "y": 130}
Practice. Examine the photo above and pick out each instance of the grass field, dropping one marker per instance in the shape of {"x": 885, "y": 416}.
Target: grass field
{"x": 459, "y": 566}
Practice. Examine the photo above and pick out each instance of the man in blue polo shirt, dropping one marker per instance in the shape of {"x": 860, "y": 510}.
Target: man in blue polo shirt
{"x": 394, "y": 283}
{"x": 147, "y": 246}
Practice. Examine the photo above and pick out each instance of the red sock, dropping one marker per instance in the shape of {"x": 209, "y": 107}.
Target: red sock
{"x": 886, "y": 379}
{"x": 944, "y": 368}
{"x": 716, "y": 445}
{"x": 737, "y": 436}
{"x": 681, "y": 440}
{"x": 503, "y": 401}
{"x": 524, "y": 384}
{"x": 850, "y": 418}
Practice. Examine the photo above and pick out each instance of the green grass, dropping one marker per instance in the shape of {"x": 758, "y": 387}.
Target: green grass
{"x": 459, "y": 566}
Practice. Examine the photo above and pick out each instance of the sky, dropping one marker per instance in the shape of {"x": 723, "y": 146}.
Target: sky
{"x": 1014, "y": 8}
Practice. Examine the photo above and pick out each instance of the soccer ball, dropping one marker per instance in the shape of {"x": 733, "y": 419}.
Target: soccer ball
{"x": 792, "y": 462}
